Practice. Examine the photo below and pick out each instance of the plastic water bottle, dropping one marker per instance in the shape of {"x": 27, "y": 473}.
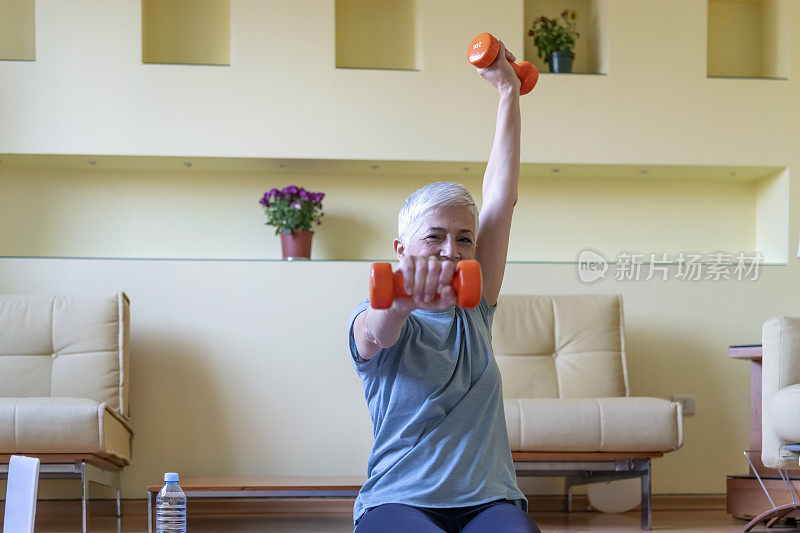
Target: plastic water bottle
{"x": 171, "y": 506}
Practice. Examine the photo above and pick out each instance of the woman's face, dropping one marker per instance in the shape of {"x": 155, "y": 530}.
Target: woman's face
{"x": 446, "y": 232}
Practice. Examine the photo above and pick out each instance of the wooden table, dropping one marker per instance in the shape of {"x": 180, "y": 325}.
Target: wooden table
{"x": 744, "y": 496}
{"x": 261, "y": 487}
{"x": 753, "y": 352}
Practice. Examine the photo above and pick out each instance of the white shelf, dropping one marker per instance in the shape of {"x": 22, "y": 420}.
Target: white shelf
{"x": 158, "y": 207}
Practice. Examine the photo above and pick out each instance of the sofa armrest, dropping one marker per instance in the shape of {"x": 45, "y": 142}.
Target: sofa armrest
{"x": 780, "y": 339}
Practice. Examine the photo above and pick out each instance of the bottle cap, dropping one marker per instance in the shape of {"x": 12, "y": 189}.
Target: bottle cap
{"x": 171, "y": 476}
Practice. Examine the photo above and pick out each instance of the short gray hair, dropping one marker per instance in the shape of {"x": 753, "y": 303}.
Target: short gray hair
{"x": 431, "y": 196}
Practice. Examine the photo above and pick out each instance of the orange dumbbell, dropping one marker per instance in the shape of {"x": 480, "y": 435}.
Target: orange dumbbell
{"x": 385, "y": 285}
{"x": 483, "y": 51}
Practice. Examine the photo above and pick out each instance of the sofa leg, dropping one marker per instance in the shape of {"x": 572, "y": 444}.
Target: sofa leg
{"x": 647, "y": 518}
{"x": 569, "y": 482}
{"x": 569, "y": 499}
{"x": 84, "y": 495}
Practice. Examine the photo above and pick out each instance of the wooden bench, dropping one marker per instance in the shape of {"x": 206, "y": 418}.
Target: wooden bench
{"x": 577, "y": 468}
{"x": 261, "y": 487}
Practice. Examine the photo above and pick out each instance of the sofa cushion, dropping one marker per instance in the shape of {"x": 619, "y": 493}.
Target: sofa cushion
{"x": 593, "y": 424}
{"x": 560, "y": 346}
{"x": 63, "y": 425}
{"x": 785, "y": 414}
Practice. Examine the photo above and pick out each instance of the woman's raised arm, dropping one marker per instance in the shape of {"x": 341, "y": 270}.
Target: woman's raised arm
{"x": 501, "y": 179}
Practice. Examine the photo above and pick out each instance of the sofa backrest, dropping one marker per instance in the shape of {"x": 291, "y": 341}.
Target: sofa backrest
{"x": 560, "y": 346}
{"x": 66, "y": 345}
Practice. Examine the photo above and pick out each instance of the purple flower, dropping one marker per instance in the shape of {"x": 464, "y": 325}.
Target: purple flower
{"x": 307, "y": 203}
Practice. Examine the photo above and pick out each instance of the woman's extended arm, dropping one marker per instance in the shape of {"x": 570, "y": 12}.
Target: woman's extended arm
{"x": 501, "y": 179}
{"x": 375, "y": 329}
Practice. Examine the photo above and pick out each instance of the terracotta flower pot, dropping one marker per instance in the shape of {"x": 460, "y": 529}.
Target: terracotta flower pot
{"x": 296, "y": 245}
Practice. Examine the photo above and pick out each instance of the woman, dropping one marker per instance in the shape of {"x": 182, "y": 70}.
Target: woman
{"x": 441, "y": 459}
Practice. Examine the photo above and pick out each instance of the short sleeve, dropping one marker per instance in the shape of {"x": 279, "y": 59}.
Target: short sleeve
{"x": 361, "y": 364}
{"x": 487, "y": 312}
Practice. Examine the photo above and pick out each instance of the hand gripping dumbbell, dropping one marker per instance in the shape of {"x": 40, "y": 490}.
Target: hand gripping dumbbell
{"x": 385, "y": 285}
{"x": 483, "y": 51}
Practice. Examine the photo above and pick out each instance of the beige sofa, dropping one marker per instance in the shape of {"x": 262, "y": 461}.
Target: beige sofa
{"x": 566, "y": 392}
{"x": 780, "y": 409}
{"x": 64, "y": 385}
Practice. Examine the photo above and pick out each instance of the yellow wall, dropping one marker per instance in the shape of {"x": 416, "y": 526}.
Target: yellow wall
{"x": 186, "y": 31}
{"x": 17, "y": 30}
{"x": 748, "y": 38}
{"x": 377, "y": 34}
{"x": 230, "y": 339}
{"x": 775, "y": 37}
{"x": 733, "y": 50}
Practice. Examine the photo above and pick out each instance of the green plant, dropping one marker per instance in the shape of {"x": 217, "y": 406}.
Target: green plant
{"x": 292, "y": 209}
{"x": 551, "y": 35}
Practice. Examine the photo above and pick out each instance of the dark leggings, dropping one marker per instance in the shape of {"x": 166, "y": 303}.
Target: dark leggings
{"x": 499, "y": 516}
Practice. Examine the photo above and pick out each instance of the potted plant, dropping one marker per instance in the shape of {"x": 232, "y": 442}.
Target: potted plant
{"x": 556, "y": 39}
{"x": 293, "y": 211}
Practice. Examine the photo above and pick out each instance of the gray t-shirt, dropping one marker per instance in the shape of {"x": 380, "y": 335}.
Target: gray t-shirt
{"x": 436, "y": 403}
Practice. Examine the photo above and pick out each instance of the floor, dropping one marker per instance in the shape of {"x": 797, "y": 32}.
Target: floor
{"x": 664, "y": 521}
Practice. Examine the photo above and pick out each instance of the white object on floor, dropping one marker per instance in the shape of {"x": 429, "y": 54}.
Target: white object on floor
{"x": 23, "y": 482}
{"x": 616, "y": 496}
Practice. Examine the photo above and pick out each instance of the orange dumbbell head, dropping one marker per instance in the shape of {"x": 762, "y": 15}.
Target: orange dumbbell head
{"x": 483, "y": 50}
{"x": 528, "y": 76}
{"x": 381, "y": 286}
{"x": 467, "y": 283}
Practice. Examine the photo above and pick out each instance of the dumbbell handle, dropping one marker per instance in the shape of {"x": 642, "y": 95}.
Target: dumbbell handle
{"x": 466, "y": 283}
{"x": 484, "y": 49}
{"x": 400, "y": 285}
